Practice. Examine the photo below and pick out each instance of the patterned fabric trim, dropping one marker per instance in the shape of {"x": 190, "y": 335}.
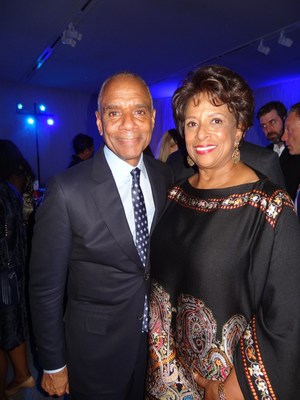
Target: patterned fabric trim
{"x": 184, "y": 338}
{"x": 270, "y": 206}
{"x": 254, "y": 368}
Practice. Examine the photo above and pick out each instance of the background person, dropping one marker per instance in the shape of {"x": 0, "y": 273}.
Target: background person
{"x": 272, "y": 117}
{"x": 83, "y": 146}
{"x": 167, "y": 145}
{"x": 85, "y": 240}
{"x": 291, "y": 137}
{"x": 224, "y": 261}
{"x": 15, "y": 173}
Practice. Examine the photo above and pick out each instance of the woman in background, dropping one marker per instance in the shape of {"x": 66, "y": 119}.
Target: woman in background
{"x": 168, "y": 144}
{"x": 15, "y": 179}
{"x": 225, "y": 301}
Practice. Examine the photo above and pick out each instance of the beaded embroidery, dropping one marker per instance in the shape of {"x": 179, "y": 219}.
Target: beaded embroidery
{"x": 257, "y": 377}
{"x": 271, "y": 206}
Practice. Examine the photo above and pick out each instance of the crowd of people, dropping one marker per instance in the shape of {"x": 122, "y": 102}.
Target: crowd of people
{"x": 167, "y": 277}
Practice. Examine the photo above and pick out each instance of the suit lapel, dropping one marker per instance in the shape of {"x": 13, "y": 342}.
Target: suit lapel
{"x": 284, "y": 156}
{"x": 108, "y": 202}
{"x": 158, "y": 188}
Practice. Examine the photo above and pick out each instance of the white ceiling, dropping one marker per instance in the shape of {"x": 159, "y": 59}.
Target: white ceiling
{"x": 159, "y": 39}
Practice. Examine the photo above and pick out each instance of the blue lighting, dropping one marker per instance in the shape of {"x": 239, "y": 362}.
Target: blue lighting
{"x": 20, "y": 106}
{"x": 30, "y": 121}
{"x": 42, "y": 107}
{"x": 50, "y": 121}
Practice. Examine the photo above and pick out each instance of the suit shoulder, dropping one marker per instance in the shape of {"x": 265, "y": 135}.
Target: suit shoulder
{"x": 160, "y": 168}
{"x": 253, "y": 148}
{"x": 157, "y": 164}
{"x": 73, "y": 176}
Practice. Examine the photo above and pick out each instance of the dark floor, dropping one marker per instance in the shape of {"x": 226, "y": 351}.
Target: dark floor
{"x": 33, "y": 393}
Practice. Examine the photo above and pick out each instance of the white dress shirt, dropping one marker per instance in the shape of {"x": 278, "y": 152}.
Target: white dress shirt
{"x": 278, "y": 148}
{"x": 121, "y": 173}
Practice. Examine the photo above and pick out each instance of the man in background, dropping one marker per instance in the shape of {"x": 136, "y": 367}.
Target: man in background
{"x": 83, "y": 146}
{"x": 271, "y": 117}
{"x": 291, "y": 137}
{"x": 86, "y": 239}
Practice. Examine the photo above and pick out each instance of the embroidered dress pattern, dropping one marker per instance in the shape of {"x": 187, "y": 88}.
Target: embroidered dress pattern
{"x": 211, "y": 271}
{"x": 270, "y": 206}
{"x": 189, "y": 343}
{"x": 256, "y": 374}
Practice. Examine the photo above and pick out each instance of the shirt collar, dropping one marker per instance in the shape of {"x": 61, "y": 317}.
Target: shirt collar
{"x": 120, "y": 168}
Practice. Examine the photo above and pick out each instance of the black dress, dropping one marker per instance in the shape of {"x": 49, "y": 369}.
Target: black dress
{"x": 225, "y": 265}
{"x": 13, "y": 318}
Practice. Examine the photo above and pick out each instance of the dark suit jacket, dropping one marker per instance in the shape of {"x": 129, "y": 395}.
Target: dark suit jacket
{"x": 256, "y": 157}
{"x": 82, "y": 233}
{"x": 290, "y": 166}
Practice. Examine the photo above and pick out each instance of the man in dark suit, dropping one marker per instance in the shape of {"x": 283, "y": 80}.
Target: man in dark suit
{"x": 256, "y": 157}
{"x": 84, "y": 240}
{"x": 291, "y": 137}
{"x": 271, "y": 117}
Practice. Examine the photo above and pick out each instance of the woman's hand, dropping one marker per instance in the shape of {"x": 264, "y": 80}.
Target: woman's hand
{"x": 230, "y": 389}
{"x": 210, "y": 387}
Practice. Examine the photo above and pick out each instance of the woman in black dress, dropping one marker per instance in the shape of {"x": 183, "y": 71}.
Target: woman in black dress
{"x": 15, "y": 173}
{"x": 225, "y": 262}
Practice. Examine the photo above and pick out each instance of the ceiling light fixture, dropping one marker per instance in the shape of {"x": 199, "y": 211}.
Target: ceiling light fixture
{"x": 284, "y": 41}
{"x": 70, "y": 36}
{"x": 262, "y": 48}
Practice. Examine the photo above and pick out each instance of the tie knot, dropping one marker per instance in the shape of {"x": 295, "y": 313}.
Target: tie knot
{"x": 136, "y": 174}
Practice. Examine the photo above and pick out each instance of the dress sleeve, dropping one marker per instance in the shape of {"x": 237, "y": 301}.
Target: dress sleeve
{"x": 267, "y": 360}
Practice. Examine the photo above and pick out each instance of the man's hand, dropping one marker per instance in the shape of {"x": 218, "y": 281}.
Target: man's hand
{"x": 56, "y": 383}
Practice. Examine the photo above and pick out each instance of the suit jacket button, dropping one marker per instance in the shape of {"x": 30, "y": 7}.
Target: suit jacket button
{"x": 146, "y": 276}
{"x": 140, "y": 317}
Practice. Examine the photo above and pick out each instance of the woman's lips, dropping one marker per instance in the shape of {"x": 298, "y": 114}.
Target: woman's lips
{"x": 205, "y": 149}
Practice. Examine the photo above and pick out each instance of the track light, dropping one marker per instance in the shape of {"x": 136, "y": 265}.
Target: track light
{"x": 284, "y": 41}
{"x": 70, "y": 36}
{"x": 262, "y": 48}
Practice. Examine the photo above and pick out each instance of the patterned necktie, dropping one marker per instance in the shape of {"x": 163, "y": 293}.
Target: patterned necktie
{"x": 141, "y": 229}
{"x": 140, "y": 216}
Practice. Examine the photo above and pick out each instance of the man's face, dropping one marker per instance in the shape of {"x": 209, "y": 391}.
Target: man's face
{"x": 291, "y": 135}
{"x": 272, "y": 126}
{"x": 125, "y": 118}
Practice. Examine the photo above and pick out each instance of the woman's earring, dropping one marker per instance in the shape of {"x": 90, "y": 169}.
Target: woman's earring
{"x": 190, "y": 161}
{"x": 236, "y": 155}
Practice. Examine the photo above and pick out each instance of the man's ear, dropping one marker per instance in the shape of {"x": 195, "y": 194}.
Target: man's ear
{"x": 99, "y": 123}
{"x": 153, "y": 117}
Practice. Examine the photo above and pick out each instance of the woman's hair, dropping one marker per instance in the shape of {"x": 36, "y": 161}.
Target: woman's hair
{"x": 12, "y": 161}
{"x": 222, "y": 86}
{"x": 167, "y": 145}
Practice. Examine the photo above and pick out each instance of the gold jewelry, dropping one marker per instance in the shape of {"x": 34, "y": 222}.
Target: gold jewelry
{"x": 190, "y": 161}
{"x": 236, "y": 155}
{"x": 221, "y": 392}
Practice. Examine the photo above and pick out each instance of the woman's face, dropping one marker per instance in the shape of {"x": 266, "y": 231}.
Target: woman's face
{"x": 210, "y": 133}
